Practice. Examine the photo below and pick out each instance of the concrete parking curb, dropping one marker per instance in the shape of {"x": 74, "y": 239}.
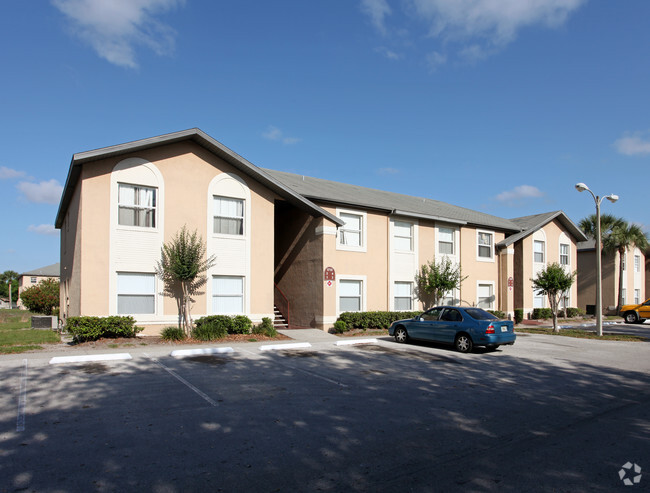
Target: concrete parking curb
{"x": 357, "y": 341}
{"x": 90, "y": 357}
{"x": 180, "y": 353}
{"x": 295, "y": 345}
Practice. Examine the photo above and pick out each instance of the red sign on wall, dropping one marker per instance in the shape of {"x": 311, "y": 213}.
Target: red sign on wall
{"x": 329, "y": 274}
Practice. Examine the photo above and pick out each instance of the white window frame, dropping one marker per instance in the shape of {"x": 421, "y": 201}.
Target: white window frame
{"x": 637, "y": 296}
{"x": 540, "y": 297}
{"x": 624, "y": 295}
{"x": 396, "y": 297}
{"x": 241, "y": 218}
{"x": 453, "y": 240}
{"x": 492, "y": 295}
{"x": 536, "y": 252}
{"x": 121, "y": 204}
{"x": 410, "y": 237}
{"x": 637, "y": 263}
{"x": 342, "y": 229}
{"x": 344, "y": 278}
{"x": 480, "y": 258}
{"x": 567, "y": 255}
{"x": 152, "y": 294}
{"x": 241, "y": 295}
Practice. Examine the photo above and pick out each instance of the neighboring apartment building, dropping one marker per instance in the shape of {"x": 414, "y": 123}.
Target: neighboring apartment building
{"x": 634, "y": 277}
{"x": 32, "y": 278}
{"x": 313, "y": 248}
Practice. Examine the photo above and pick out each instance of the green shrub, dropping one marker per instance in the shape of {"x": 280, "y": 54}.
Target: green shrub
{"x": 373, "y": 320}
{"x": 542, "y": 313}
{"x": 265, "y": 328}
{"x": 340, "y": 326}
{"x": 571, "y": 312}
{"x": 218, "y": 326}
{"x": 172, "y": 334}
{"x": 42, "y": 298}
{"x": 519, "y": 315}
{"x": 85, "y": 329}
{"x": 499, "y": 314}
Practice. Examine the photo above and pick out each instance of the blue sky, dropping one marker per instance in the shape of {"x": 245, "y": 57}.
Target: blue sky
{"x": 496, "y": 105}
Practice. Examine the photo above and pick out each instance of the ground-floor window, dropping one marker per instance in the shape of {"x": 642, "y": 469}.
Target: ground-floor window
{"x": 227, "y": 295}
{"x": 350, "y": 295}
{"x": 637, "y": 296}
{"x": 403, "y": 295}
{"x": 136, "y": 293}
{"x": 485, "y": 296}
{"x": 538, "y": 300}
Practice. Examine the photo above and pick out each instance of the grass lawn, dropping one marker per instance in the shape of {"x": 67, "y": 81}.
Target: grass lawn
{"x": 16, "y": 336}
{"x": 582, "y": 334}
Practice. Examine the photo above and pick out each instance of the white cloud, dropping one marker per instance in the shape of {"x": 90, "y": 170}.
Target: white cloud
{"x": 390, "y": 54}
{"x": 45, "y": 192}
{"x": 435, "y": 60}
{"x": 475, "y": 29}
{"x": 43, "y": 229}
{"x": 377, "y": 10}
{"x": 275, "y": 134}
{"x": 633, "y": 145}
{"x": 519, "y": 194}
{"x": 8, "y": 173}
{"x": 114, "y": 28}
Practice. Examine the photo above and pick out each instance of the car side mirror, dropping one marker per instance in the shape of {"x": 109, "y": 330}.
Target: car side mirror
{"x": 419, "y": 319}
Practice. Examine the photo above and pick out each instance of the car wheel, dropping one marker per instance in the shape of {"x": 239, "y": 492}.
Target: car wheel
{"x": 631, "y": 317}
{"x": 463, "y": 343}
{"x": 401, "y": 335}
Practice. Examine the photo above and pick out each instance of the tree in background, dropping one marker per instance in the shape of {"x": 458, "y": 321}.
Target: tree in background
{"x": 5, "y": 278}
{"x": 43, "y": 297}
{"x": 435, "y": 279}
{"x": 622, "y": 237}
{"x": 607, "y": 223}
{"x": 182, "y": 268}
{"x": 553, "y": 281}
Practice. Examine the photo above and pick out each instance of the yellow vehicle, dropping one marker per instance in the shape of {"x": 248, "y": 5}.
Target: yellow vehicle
{"x": 636, "y": 313}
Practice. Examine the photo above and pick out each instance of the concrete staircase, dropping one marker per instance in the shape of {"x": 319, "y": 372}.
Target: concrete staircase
{"x": 279, "y": 322}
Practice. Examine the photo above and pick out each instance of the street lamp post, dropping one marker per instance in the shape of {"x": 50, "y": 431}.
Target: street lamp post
{"x": 581, "y": 187}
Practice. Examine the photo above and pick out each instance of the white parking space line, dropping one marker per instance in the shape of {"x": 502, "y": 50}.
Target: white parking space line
{"x": 204, "y": 396}
{"x": 180, "y": 353}
{"x": 357, "y": 341}
{"x": 90, "y": 357}
{"x": 291, "y": 345}
{"x": 22, "y": 400}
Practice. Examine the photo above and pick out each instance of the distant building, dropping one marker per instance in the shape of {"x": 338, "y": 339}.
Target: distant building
{"x": 634, "y": 277}
{"x": 32, "y": 278}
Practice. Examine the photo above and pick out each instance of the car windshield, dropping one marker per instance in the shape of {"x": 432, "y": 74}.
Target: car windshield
{"x": 480, "y": 314}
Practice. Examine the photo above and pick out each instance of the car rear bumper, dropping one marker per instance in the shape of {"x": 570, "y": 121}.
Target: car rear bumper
{"x": 496, "y": 339}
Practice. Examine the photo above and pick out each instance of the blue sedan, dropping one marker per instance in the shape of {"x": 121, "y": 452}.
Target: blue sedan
{"x": 464, "y": 327}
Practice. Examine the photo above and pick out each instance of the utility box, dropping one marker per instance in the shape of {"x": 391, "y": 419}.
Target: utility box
{"x": 46, "y": 322}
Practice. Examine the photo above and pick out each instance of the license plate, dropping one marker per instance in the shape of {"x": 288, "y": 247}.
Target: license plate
{"x": 504, "y": 329}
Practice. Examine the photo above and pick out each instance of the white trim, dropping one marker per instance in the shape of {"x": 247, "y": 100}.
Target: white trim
{"x": 494, "y": 293}
{"x": 364, "y": 290}
{"x": 456, "y": 241}
{"x": 364, "y": 231}
{"x": 325, "y": 230}
{"x": 492, "y": 246}
{"x": 325, "y": 320}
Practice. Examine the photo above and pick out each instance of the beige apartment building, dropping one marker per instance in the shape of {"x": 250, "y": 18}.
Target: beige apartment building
{"x": 634, "y": 277}
{"x": 33, "y": 277}
{"x": 309, "y": 247}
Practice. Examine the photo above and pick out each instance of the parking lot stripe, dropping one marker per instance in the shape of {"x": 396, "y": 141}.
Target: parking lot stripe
{"x": 89, "y": 357}
{"x": 22, "y": 400}
{"x": 183, "y": 381}
{"x": 293, "y": 345}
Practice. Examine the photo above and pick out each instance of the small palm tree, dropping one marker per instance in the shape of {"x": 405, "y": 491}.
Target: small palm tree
{"x": 607, "y": 223}
{"x": 622, "y": 237}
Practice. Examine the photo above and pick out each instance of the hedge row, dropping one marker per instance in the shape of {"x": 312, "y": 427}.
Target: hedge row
{"x": 218, "y": 326}
{"x": 85, "y": 329}
{"x": 546, "y": 313}
{"x": 371, "y": 320}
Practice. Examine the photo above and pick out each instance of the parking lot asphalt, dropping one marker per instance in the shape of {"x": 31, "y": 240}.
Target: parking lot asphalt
{"x": 547, "y": 414}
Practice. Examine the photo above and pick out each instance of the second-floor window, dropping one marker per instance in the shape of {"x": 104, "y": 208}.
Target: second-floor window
{"x": 403, "y": 236}
{"x": 136, "y": 206}
{"x": 538, "y": 251}
{"x": 637, "y": 263}
{"x": 446, "y": 241}
{"x": 485, "y": 245}
{"x": 228, "y": 216}
{"x": 352, "y": 233}
{"x": 564, "y": 254}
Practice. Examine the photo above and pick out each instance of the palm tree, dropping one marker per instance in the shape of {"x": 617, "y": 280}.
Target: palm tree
{"x": 623, "y": 236}
{"x": 607, "y": 223}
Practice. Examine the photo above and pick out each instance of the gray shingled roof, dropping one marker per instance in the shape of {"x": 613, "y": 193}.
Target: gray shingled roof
{"x": 320, "y": 190}
{"x": 530, "y": 224}
{"x": 53, "y": 270}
